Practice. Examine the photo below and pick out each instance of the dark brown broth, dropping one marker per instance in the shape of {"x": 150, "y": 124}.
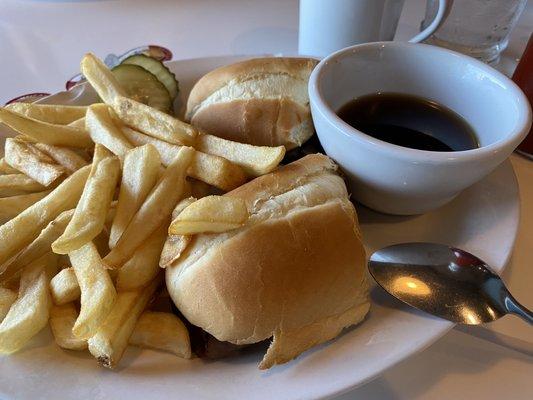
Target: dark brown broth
{"x": 409, "y": 121}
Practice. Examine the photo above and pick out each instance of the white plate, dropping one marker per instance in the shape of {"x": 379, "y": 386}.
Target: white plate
{"x": 483, "y": 220}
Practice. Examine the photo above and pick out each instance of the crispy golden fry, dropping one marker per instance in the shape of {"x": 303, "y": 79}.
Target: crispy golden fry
{"x": 31, "y": 161}
{"x": 104, "y": 129}
{"x": 89, "y": 218}
{"x": 143, "y": 266}
{"x": 182, "y": 205}
{"x": 209, "y": 215}
{"x": 217, "y": 171}
{"x": 214, "y": 170}
{"x": 20, "y": 231}
{"x": 51, "y": 113}
{"x": 12, "y": 206}
{"x": 100, "y": 152}
{"x": 97, "y": 291}
{"x": 64, "y": 156}
{"x": 154, "y": 122}
{"x": 156, "y": 209}
{"x": 62, "y": 320}
{"x": 37, "y": 248}
{"x": 109, "y": 219}
{"x": 5, "y": 168}
{"x": 111, "y": 214}
{"x": 29, "y": 313}
{"x": 139, "y": 175}
{"x": 255, "y": 160}
{"x": 79, "y": 123}
{"x": 175, "y": 244}
{"x": 167, "y": 151}
{"x": 64, "y": 287}
{"x": 162, "y": 331}
{"x": 17, "y": 184}
{"x": 111, "y": 339}
{"x": 44, "y": 132}
{"x": 7, "y": 298}
{"x": 101, "y": 78}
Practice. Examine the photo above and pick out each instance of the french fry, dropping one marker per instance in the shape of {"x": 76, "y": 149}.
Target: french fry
{"x": 153, "y": 122}
{"x": 97, "y": 291}
{"x": 64, "y": 287}
{"x": 143, "y": 266}
{"x": 182, "y": 205}
{"x": 54, "y": 114}
{"x": 255, "y": 160}
{"x": 12, "y": 206}
{"x": 62, "y": 320}
{"x": 100, "y": 152}
{"x": 64, "y": 156}
{"x": 7, "y": 298}
{"x": 79, "y": 123}
{"x": 44, "y": 132}
{"x": 17, "y": 184}
{"x": 139, "y": 175}
{"x": 167, "y": 151}
{"x": 29, "y": 313}
{"x": 32, "y": 162}
{"x": 37, "y": 248}
{"x": 156, "y": 209}
{"x": 217, "y": 171}
{"x": 110, "y": 217}
{"x": 105, "y": 130}
{"x": 111, "y": 339}
{"x": 175, "y": 244}
{"x": 20, "y": 231}
{"x": 89, "y": 218}
{"x": 5, "y": 168}
{"x": 210, "y": 214}
{"x": 213, "y": 170}
{"x": 162, "y": 331}
{"x": 101, "y": 78}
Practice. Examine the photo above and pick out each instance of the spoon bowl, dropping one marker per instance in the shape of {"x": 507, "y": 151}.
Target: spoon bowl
{"x": 444, "y": 281}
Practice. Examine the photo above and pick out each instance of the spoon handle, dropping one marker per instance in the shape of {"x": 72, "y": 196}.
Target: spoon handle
{"x": 514, "y": 307}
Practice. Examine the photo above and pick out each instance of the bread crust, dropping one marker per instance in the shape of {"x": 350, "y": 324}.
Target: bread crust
{"x": 299, "y": 68}
{"x": 260, "y": 101}
{"x": 295, "y": 273}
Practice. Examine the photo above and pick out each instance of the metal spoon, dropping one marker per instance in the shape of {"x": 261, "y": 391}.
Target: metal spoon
{"x": 444, "y": 281}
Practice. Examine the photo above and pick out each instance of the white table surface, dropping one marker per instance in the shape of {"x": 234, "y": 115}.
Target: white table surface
{"x": 42, "y": 41}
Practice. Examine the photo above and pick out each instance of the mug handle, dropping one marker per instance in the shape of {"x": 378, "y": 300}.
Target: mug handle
{"x": 443, "y": 11}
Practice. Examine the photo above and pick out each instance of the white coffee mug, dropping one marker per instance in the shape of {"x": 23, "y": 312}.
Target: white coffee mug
{"x": 330, "y": 25}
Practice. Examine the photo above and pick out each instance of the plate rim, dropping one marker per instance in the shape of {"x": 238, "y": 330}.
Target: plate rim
{"x": 447, "y": 326}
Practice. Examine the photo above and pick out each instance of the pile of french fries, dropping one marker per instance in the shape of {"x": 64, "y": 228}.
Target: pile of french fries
{"x": 94, "y": 202}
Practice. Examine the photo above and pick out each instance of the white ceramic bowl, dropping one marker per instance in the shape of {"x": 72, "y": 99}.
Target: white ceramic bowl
{"x": 399, "y": 180}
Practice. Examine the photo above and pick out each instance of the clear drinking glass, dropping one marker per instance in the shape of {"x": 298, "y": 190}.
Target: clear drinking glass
{"x": 478, "y": 28}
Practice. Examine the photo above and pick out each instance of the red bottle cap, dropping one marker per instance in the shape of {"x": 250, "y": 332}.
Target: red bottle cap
{"x": 523, "y": 77}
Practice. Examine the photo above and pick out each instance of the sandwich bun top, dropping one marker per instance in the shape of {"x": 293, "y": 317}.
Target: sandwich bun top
{"x": 296, "y": 272}
{"x": 262, "y": 101}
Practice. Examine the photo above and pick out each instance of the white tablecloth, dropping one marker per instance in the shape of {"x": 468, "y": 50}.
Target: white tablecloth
{"x": 41, "y": 43}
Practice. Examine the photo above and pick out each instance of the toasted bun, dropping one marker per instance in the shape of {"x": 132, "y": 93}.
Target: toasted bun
{"x": 295, "y": 273}
{"x": 262, "y": 101}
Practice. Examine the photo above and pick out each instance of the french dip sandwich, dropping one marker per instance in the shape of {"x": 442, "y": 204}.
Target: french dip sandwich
{"x": 263, "y": 101}
{"x": 295, "y": 272}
